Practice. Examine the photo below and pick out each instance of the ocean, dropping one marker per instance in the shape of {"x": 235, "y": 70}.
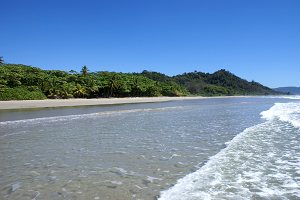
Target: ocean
{"x": 219, "y": 148}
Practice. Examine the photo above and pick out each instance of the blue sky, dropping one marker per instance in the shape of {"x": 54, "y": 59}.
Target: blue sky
{"x": 255, "y": 39}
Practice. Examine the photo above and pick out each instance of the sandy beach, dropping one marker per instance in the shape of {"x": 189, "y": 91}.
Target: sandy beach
{"x": 85, "y": 102}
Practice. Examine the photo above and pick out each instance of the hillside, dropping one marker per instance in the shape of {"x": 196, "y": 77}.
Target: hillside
{"x": 290, "y": 90}
{"x": 19, "y": 82}
{"x": 221, "y": 82}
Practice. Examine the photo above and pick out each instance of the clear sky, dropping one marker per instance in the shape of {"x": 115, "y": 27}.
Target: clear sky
{"x": 254, "y": 39}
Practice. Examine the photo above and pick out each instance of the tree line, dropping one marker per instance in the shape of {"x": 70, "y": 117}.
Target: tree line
{"x": 25, "y": 82}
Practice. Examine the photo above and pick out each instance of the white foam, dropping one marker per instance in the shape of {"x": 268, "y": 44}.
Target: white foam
{"x": 152, "y": 179}
{"x": 286, "y": 112}
{"x": 189, "y": 187}
{"x": 250, "y": 163}
{"x": 90, "y": 115}
{"x": 294, "y": 97}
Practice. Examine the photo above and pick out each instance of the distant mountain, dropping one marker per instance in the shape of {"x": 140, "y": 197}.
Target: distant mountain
{"x": 290, "y": 90}
{"x": 221, "y": 82}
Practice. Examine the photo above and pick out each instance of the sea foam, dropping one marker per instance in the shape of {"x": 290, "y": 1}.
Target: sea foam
{"x": 81, "y": 116}
{"x": 295, "y": 97}
{"x": 259, "y": 163}
{"x": 286, "y": 112}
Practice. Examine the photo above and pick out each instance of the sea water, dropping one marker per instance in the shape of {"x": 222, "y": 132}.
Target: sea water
{"x": 224, "y": 148}
{"x": 262, "y": 162}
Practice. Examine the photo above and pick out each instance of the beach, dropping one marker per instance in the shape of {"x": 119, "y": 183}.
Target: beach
{"x": 86, "y": 102}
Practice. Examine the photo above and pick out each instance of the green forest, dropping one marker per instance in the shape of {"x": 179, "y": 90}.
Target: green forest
{"x": 21, "y": 82}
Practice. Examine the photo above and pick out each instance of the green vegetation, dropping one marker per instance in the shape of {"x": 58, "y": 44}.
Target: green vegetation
{"x": 221, "y": 82}
{"x": 25, "y": 82}
{"x": 1, "y": 60}
{"x": 20, "y": 93}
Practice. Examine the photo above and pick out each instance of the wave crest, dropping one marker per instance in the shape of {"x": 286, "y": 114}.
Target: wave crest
{"x": 286, "y": 112}
{"x": 254, "y": 165}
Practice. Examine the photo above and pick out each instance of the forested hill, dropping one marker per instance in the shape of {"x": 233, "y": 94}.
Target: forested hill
{"x": 221, "y": 82}
{"x": 25, "y": 82}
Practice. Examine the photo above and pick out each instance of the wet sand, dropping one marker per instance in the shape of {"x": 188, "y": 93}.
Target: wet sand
{"x": 85, "y": 102}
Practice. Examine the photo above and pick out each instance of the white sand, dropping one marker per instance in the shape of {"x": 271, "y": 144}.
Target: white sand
{"x": 85, "y": 102}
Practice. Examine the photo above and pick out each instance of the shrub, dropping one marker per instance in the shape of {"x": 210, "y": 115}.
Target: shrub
{"x": 20, "y": 93}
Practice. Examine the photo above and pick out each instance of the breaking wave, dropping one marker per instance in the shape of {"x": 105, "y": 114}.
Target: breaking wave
{"x": 262, "y": 162}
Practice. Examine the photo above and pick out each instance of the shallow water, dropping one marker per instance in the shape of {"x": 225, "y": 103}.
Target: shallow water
{"x": 137, "y": 151}
{"x": 262, "y": 162}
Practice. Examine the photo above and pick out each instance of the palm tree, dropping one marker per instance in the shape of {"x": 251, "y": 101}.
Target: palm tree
{"x": 52, "y": 88}
{"x": 84, "y": 70}
{"x": 80, "y": 91}
{"x": 113, "y": 84}
{"x": 135, "y": 87}
{"x": 1, "y": 60}
{"x": 91, "y": 87}
{"x": 73, "y": 72}
{"x": 66, "y": 90}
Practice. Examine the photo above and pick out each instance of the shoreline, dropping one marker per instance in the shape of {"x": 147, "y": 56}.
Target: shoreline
{"x": 53, "y": 103}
